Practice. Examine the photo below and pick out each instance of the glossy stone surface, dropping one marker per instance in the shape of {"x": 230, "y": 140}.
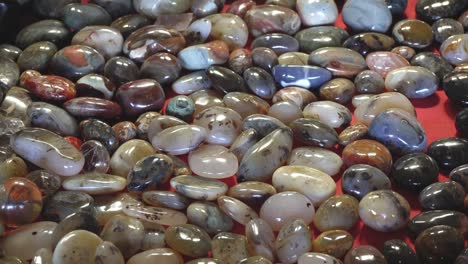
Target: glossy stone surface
{"x": 66, "y": 203}
{"x": 239, "y": 60}
{"x": 155, "y": 215}
{"x": 314, "y": 13}
{"x": 449, "y": 153}
{"x": 229, "y": 247}
{"x": 37, "y": 56}
{"x": 453, "y": 49}
{"x": 285, "y": 111}
{"x": 369, "y": 109}
{"x": 125, "y": 131}
{"x": 213, "y": 161}
{"x": 222, "y": 124}
{"x": 431, "y": 10}
{"x": 383, "y": 62}
{"x": 270, "y": 152}
{"x": 51, "y": 87}
{"x": 368, "y": 152}
{"x": 21, "y": 202}
{"x": 52, "y": 118}
{"x": 48, "y": 183}
{"x": 454, "y": 85}
{"x": 459, "y": 174}
{"x": 236, "y": 209}
{"x": 412, "y": 81}
{"x": 445, "y": 28}
{"x": 413, "y": 32}
{"x": 159, "y": 255}
{"x": 252, "y": 193}
{"x": 397, "y": 251}
{"x": 364, "y": 16}
{"x": 190, "y": 240}
{"x": 403, "y": 132}
{"x": 432, "y": 62}
{"x": 278, "y": 42}
{"x": 165, "y": 199}
{"x": 314, "y": 184}
{"x": 293, "y": 58}
{"x": 162, "y": 67}
{"x": 225, "y": 80}
{"x": 79, "y": 220}
{"x": 95, "y": 85}
{"x": 43, "y": 255}
{"x": 107, "y": 253}
{"x": 366, "y": 43}
{"x": 317, "y": 158}
{"x": 76, "y": 247}
{"x": 243, "y": 142}
{"x": 313, "y": 132}
{"x": 264, "y": 58}
{"x": 209, "y": 217}
{"x": 129, "y": 23}
{"x": 442, "y": 195}
{"x": 334, "y": 243}
{"x": 204, "y": 99}
{"x": 121, "y": 70}
{"x": 260, "y": 238}
{"x": 96, "y": 156}
{"x": 198, "y": 188}
{"x": 191, "y": 83}
{"x": 77, "y": 16}
{"x": 415, "y": 171}
{"x": 338, "y": 90}
{"x": 181, "y": 106}
{"x": 74, "y": 62}
{"x": 260, "y": 82}
{"x": 463, "y": 19}
{"x": 10, "y": 51}
{"x": 329, "y": 113}
{"x": 312, "y": 258}
{"x": 293, "y": 240}
{"x": 364, "y": 254}
{"x": 439, "y": 244}
{"x": 128, "y": 154}
{"x": 337, "y": 212}
{"x": 300, "y": 97}
{"x": 170, "y": 141}
{"x": 228, "y": 28}
{"x": 405, "y": 51}
{"x": 339, "y": 61}
{"x": 94, "y": 129}
{"x": 360, "y": 179}
{"x": 140, "y": 96}
{"x": 106, "y": 40}
{"x": 428, "y": 219}
{"x": 26, "y": 240}
{"x": 51, "y": 151}
{"x": 150, "y": 172}
{"x": 352, "y": 133}
{"x": 263, "y": 19}
{"x": 202, "y": 56}
{"x": 44, "y": 30}
{"x": 161, "y": 123}
{"x": 314, "y": 38}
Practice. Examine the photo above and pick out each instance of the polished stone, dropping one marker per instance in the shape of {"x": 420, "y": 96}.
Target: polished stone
{"x": 108, "y": 253}
{"x": 150, "y": 172}
{"x": 442, "y": 196}
{"x": 313, "y": 38}
{"x": 162, "y": 67}
{"x": 179, "y": 139}
{"x": 260, "y": 82}
{"x": 313, "y": 132}
{"x": 82, "y": 221}
{"x": 127, "y": 24}
{"x": 339, "y": 90}
{"x": 76, "y": 247}
{"x": 157, "y": 255}
{"x": 260, "y": 238}
{"x": 76, "y": 61}
{"x": 413, "y": 32}
{"x": 243, "y": 142}
{"x": 339, "y": 61}
{"x": 317, "y": 158}
{"x": 368, "y": 152}
{"x": 273, "y": 16}
{"x": 285, "y": 111}
{"x": 405, "y": 51}
{"x": 293, "y": 240}
{"x": 431, "y": 218}
{"x": 397, "y": 7}
{"x": 432, "y": 10}
{"x": 180, "y": 106}
{"x": 77, "y": 16}
{"x": 397, "y": 251}
{"x": 229, "y": 247}
{"x": 264, "y": 58}
{"x": 337, "y": 212}
{"x": 189, "y": 240}
{"x": 121, "y": 70}
{"x": 334, "y": 243}
{"x": 209, "y": 217}
{"x": 439, "y": 244}
{"x": 369, "y": 109}
{"x": 352, "y": 133}
{"x": 96, "y": 156}
{"x": 106, "y": 40}
{"x": 315, "y": 13}
{"x": 449, "y": 153}
{"x": 360, "y": 179}
{"x": 198, "y": 188}
{"x": 414, "y": 82}
{"x": 329, "y": 113}
{"x": 278, "y": 42}
{"x": 415, "y": 171}
{"x": 367, "y": 16}
{"x": 432, "y": 62}
{"x": 52, "y": 118}
{"x": 366, "y": 43}
{"x": 37, "y": 56}
{"x": 45, "y": 30}
{"x": 454, "y": 85}
{"x": 223, "y": 124}
{"x": 301, "y": 75}
{"x": 225, "y": 80}
{"x": 460, "y": 175}
{"x": 236, "y": 209}
{"x": 445, "y": 28}
{"x": 202, "y": 56}
{"x": 383, "y": 62}
{"x": 213, "y": 161}
{"x": 94, "y": 129}
{"x": 453, "y": 49}
{"x": 364, "y": 254}
{"x": 252, "y": 193}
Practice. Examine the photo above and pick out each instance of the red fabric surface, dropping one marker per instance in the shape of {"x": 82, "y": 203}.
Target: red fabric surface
{"x": 436, "y": 114}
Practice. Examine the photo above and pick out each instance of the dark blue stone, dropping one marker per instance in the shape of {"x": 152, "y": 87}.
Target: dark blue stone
{"x": 150, "y": 173}
{"x": 301, "y": 75}
{"x": 399, "y": 131}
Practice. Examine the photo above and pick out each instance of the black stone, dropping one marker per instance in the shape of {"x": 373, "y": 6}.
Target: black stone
{"x": 313, "y": 132}
{"x": 432, "y": 62}
{"x": 66, "y": 203}
{"x": 94, "y": 129}
{"x": 460, "y": 175}
{"x": 121, "y": 70}
{"x": 225, "y": 80}
{"x": 150, "y": 173}
{"x": 439, "y": 245}
{"x": 432, "y": 218}
{"x": 366, "y": 43}
{"x": 461, "y": 122}
{"x": 77, "y": 16}
{"x": 116, "y": 8}
{"x": 432, "y": 10}
{"x": 455, "y": 85}
{"x": 398, "y": 252}
{"x": 79, "y": 220}
{"x": 463, "y": 257}
{"x": 449, "y": 153}
{"x": 50, "y": 30}
{"x": 415, "y": 171}
{"x": 445, "y": 28}
{"x": 442, "y": 196}
{"x": 397, "y": 7}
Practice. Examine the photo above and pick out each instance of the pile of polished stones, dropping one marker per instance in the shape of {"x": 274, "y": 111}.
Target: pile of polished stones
{"x": 199, "y": 131}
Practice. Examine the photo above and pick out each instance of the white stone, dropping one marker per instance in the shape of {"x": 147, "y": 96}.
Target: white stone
{"x": 95, "y": 183}
{"x": 213, "y": 161}
{"x": 317, "y": 12}
{"x": 77, "y": 247}
{"x": 179, "y": 140}
{"x": 318, "y": 158}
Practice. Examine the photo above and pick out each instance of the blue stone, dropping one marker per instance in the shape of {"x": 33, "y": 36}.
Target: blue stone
{"x": 301, "y": 75}
{"x": 399, "y": 131}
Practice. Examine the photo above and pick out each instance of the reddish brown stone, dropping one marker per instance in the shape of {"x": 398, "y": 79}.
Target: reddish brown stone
{"x": 93, "y": 107}
{"x": 51, "y": 87}
{"x": 369, "y": 152}
{"x": 140, "y": 96}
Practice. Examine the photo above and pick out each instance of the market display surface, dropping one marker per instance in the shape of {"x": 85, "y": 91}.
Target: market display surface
{"x": 205, "y": 131}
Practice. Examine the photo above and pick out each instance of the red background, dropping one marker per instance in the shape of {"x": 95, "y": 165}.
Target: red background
{"x": 436, "y": 114}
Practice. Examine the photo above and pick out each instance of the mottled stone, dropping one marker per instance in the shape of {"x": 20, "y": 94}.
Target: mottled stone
{"x": 329, "y": 113}
{"x": 334, "y": 243}
{"x": 229, "y": 247}
{"x": 236, "y": 209}
{"x": 428, "y": 219}
{"x": 202, "y": 56}
{"x": 167, "y": 199}
{"x": 260, "y": 239}
{"x": 299, "y": 96}
{"x": 260, "y": 82}
{"x": 262, "y": 124}
{"x": 278, "y": 42}
{"x": 313, "y": 132}
{"x": 116, "y": 8}
{"x": 314, "y": 13}
{"x": 125, "y": 131}
{"x": 252, "y": 193}
{"x": 405, "y": 51}
{"x": 181, "y": 106}
{"x": 312, "y": 258}
{"x": 52, "y": 118}
{"x": 445, "y": 28}
{"x": 107, "y": 206}
{"x": 94, "y": 129}
{"x": 367, "y": 16}
{"x": 94, "y": 183}
{"x": 157, "y": 255}
{"x": 213, "y": 161}
{"x": 352, "y": 133}
{"x": 369, "y": 82}
{"x": 95, "y": 85}
{"x": 121, "y": 70}
{"x": 108, "y": 253}
{"x": 106, "y": 40}
{"x": 337, "y": 212}
{"x": 150, "y": 172}
{"x": 198, "y": 188}
{"x": 66, "y": 203}
{"x": 78, "y": 246}
{"x": 45, "y": 30}
{"x": 50, "y": 87}
{"x": 9, "y": 51}
{"x": 453, "y": 49}
{"x": 79, "y": 220}
{"x": 293, "y": 58}
{"x": 202, "y": 8}
{"x": 264, "y": 58}
{"x": 449, "y": 153}
{"x": 239, "y": 60}
{"x": 369, "y": 109}
{"x": 415, "y": 171}
{"x": 37, "y": 56}
{"x": 366, "y": 43}
{"x": 339, "y": 61}
{"x": 364, "y": 255}
{"x": 76, "y": 61}
{"x": 314, "y": 38}
{"x": 383, "y": 62}
{"x": 128, "y": 154}
{"x": 439, "y": 244}
{"x": 338, "y": 90}
{"x": 192, "y": 82}
{"x": 360, "y": 179}
{"x": 432, "y": 62}
{"x": 397, "y": 7}
{"x": 222, "y": 124}
{"x": 397, "y": 251}
{"x": 263, "y": 19}
{"x": 179, "y": 139}
{"x": 190, "y": 240}
{"x": 155, "y": 215}
{"x": 270, "y": 153}
{"x": 431, "y": 10}
{"x": 209, "y": 217}
{"x": 293, "y": 240}
{"x": 413, "y": 32}
{"x": 442, "y": 195}
{"x": 48, "y": 183}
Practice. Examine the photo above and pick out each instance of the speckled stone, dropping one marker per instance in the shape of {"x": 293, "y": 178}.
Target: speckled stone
{"x": 198, "y": 188}
{"x": 293, "y": 240}
{"x": 108, "y": 253}
{"x": 442, "y": 195}
{"x": 150, "y": 172}
{"x": 425, "y": 220}
{"x": 128, "y": 154}
{"x": 313, "y": 132}
{"x": 189, "y": 240}
{"x": 337, "y": 212}
{"x": 334, "y": 243}
{"x": 439, "y": 244}
{"x": 364, "y": 254}
{"x": 77, "y": 247}
{"x": 167, "y": 199}
{"x": 236, "y": 209}
{"x": 432, "y": 62}
{"x": 229, "y": 247}
{"x": 432, "y": 10}
{"x": 314, "y": 38}
{"x": 415, "y": 171}
{"x": 240, "y": 60}
{"x": 360, "y": 179}
{"x": 262, "y": 124}
{"x": 80, "y": 220}
{"x": 209, "y": 217}
{"x": 445, "y": 28}
{"x": 329, "y": 113}
{"x": 252, "y": 193}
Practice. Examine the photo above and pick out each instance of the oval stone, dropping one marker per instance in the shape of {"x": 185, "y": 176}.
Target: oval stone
{"x": 369, "y": 109}
{"x": 329, "y": 113}
{"x": 384, "y": 210}
{"x": 314, "y": 184}
{"x": 313, "y": 258}
{"x": 52, "y": 118}
{"x": 236, "y": 209}
{"x": 95, "y": 85}
{"x": 230, "y": 247}
{"x": 445, "y": 28}
{"x": 51, "y": 87}
{"x": 454, "y": 85}
{"x": 167, "y": 199}
{"x": 37, "y": 56}
{"x": 369, "y": 152}
{"x": 367, "y": 16}
{"x": 432, "y": 10}
{"x": 44, "y": 30}
{"x": 285, "y": 111}
{"x": 95, "y": 183}
{"x": 243, "y": 142}
{"x": 442, "y": 195}
{"x": 300, "y": 97}
{"x": 128, "y": 154}
{"x": 313, "y": 38}
{"x": 425, "y": 220}
{"x": 432, "y": 62}
{"x": 85, "y": 107}
{"x": 252, "y": 193}
{"x": 79, "y": 220}
{"x": 262, "y": 124}
{"x": 449, "y": 152}
{"x": 397, "y": 251}
{"x": 77, "y": 16}
{"x": 260, "y": 82}
{"x": 339, "y": 90}
{"x": 150, "y": 172}
{"x": 155, "y": 215}
{"x": 274, "y": 16}
{"x": 460, "y": 175}
{"x": 76, "y": 61}
{"x": 439, "y": 244}
{"x": 222, "y": 124}
{"x": 361, "y": 179}
{"x": 268, "y": 154}
{"x": 228, "y": 28}
{"x": 304, "y": 76}
{"x": 191, "y": 83}
{"x": 352, "y": 133}
{"x": 108, "y": 253}
{"x": 78, "y": 246}
{"x": 315, "y": 13}
{"x": 364, "y": 254}
{"x": 339, "y": 61}
{"x": 245, "y": 104}
{"x": 413, "y": 32}
{"x": 334, "y": 243}
{"x": 190, "y": 240}
{"x": 453, "y": 49}
{"x": 366, "y": 43}
{"x": 202, "y": 56}
{"x": 415, "y": 171}
{"x": 313, "y": 132}
{"x": 337, "y": 212}
{"x": 47, "y": 150}
{"x": 412, "y": 81}
{"x": 260, "y": 238}
{"x": 316, "y": 158}
{"x": 293, "y": 240}
{"x": 157, "y": 255}
{"x": 209, "y": 217}
{"x": 383, "y": 62}
{"x": 213, "y": 161}
{"x": 180, "y": 139}
{"x": 106, "y": 40}
{"x": 43, "y": 256}
{"x": 198, "y": 188}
